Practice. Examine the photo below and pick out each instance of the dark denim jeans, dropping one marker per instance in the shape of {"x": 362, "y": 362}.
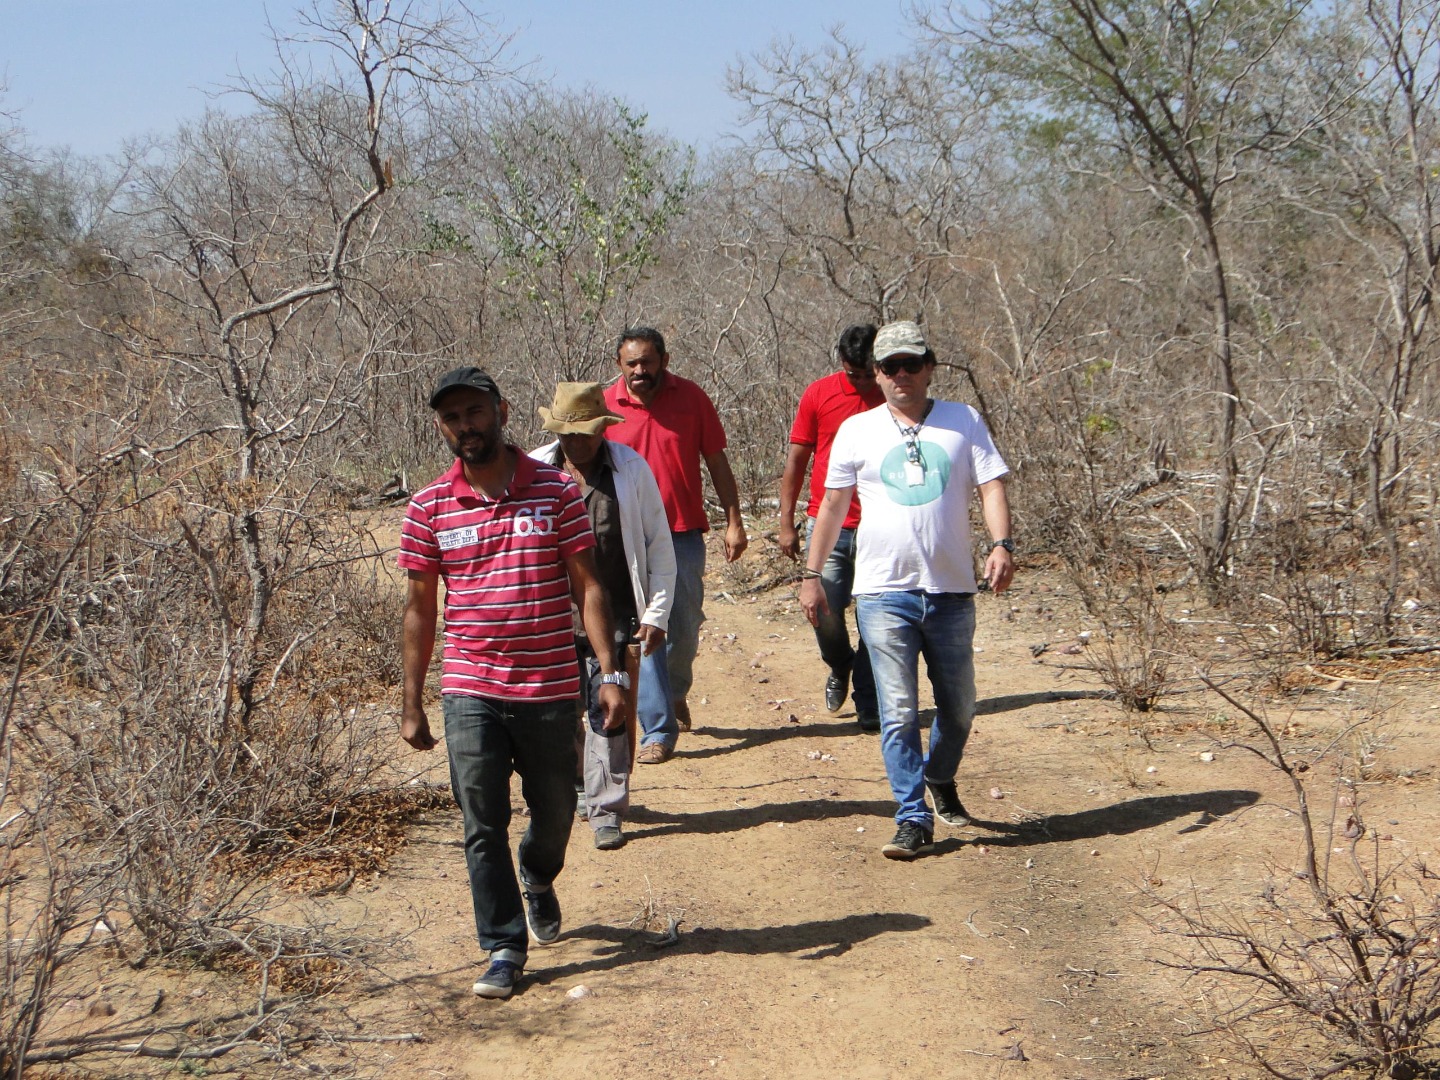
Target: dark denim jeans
{"x": 831, "y": 633}
{"x": 899, "y": 628}
{"x": 488, "y": 739}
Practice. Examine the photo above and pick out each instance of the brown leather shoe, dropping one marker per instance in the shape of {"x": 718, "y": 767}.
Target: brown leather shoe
{"x": 655, "y": 753}
{"x": 682, "y": 714}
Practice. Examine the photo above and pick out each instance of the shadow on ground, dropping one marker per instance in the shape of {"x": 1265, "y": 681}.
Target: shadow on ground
{"x": 618, "y": 947}
{"x": 1008, "y": 702}
{"x": 818, "y": 940}
{"x": 1119, "y": 819}
{"x": 736, "y": 739}
{"x": 744, "y": 738}
{"x": 750, "y": 817}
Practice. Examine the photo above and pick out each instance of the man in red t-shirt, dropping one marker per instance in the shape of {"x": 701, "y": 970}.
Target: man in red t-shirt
{"x": 824, "y": 406}
{"x": 673, "y": 424}
{"x": 511, "y": 539}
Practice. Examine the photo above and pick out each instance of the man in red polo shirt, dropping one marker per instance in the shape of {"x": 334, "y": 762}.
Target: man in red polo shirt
{"x": 824, "y": 406}
{"x": 512, "y": 540}
{"x": 674, "y": 426}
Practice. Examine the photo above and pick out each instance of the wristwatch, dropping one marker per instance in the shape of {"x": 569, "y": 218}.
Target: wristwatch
{"x": 616, "y": 678}
{"x": 1006, "y": 543}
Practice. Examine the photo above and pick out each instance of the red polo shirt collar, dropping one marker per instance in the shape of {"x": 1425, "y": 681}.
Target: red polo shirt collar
{"x": 523, "y": 478}
{"x": 622, "y": 391}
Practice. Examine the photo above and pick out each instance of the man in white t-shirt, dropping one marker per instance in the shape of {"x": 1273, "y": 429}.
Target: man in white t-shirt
{"x": 914, "y": 463}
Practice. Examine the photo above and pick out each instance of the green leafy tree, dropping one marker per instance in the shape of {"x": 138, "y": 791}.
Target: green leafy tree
{"x": 572, "y": 199}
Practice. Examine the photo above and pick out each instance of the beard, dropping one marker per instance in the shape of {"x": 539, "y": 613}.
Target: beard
{"x": 475, "y": 449}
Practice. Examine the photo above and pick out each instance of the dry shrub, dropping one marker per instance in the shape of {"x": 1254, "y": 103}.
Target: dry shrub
{"x": 1134, "y": 653}
{"x": 1334, "y": 966}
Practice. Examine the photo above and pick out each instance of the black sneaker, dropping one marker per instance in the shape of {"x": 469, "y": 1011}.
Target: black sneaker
{"x": 910, "y": 840}
{"x": 499, "y": 979}
{"x": 609, "y": 837}
{"x": 948, "y": 807}
{"x": 542, "y": 915}
{"x": 868, "y": 721}
{"x": 837, "y": 684}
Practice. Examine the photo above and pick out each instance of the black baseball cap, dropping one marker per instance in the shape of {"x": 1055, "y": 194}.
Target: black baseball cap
{"x": 470, "y": 376}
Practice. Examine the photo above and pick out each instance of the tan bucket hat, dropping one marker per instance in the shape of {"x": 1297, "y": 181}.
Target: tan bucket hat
{"x": 578, "y": 409}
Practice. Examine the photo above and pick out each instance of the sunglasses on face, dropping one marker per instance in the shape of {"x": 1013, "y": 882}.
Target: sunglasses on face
{"x": 911, "y": 365}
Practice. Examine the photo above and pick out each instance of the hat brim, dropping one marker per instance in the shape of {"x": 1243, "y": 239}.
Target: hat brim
{"x": 577, "y": 427}
{"x": 903, "y": 350}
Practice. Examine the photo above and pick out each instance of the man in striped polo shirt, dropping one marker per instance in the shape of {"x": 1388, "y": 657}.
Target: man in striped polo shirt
{"x": 511, "y": 538}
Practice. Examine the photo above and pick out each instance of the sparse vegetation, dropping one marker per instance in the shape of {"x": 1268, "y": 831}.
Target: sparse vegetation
{"x": 1189, "y": 282}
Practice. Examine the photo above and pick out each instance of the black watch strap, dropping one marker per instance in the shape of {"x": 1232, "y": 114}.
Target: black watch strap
{"x": 1006, "y": 543}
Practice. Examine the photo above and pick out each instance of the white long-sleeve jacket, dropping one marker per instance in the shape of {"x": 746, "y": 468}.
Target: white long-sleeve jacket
{"x": 644, "y": 528}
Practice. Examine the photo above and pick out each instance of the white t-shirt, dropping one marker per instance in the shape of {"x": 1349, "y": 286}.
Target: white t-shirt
{"x": 914, "y": 522}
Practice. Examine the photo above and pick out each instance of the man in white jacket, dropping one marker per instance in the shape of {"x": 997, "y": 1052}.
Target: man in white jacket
{"x": 635, "y": 563}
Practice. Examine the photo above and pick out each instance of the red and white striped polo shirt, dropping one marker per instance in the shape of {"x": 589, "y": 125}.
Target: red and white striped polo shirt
{"x": 508, "y": 629}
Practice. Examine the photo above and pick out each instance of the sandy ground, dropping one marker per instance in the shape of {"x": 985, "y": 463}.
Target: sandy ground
{"x": 1023, "y": 947}
{"x": 803, "y": 952}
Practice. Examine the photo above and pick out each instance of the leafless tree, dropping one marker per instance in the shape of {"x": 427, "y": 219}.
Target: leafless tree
{"x": 1173, "y": 98}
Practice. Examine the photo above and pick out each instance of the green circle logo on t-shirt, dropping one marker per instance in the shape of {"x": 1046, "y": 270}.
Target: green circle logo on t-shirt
{"x": 896, "y": 476}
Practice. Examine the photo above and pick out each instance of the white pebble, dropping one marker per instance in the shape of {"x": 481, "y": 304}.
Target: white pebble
{"x": 860, "y": 829}
{"x": 1207, "y": 757}
{"x": 996, "y": 793}
{"x": 578, "y": 992}
{"x": 1151, "y": 769}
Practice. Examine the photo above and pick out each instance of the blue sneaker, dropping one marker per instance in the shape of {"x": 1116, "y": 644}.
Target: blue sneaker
{"x": 499, "y": 979}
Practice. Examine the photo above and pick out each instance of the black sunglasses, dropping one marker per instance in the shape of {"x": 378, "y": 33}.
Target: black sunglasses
{"x": 912, "y": 365}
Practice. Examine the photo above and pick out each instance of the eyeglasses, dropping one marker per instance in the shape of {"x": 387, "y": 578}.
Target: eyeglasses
{"x": 911, "y": 365}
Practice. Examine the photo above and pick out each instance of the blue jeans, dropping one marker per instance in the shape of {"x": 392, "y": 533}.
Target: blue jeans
{"x": 488, "y": 739}
{"x": 831, "y": 633}
{"x": 899, "y": 628}
{"x": 682, "y": 641}
{"x": 653, "y": 707}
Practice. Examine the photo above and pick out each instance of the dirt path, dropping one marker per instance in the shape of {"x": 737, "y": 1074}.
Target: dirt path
{"x": 1023, "y": 947}
{"x": 801, "y": 952}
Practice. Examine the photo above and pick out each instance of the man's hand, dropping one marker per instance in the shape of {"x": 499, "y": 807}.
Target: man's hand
{"x": 415, "y": 728}
{"x": 789, "y": 539}
{"x": 812, "y": 600}
{"x": 999, "y": 569}
{"x": 735, "y": 540}
{"x": 651, "y": 638}
{"x": 612, "y": 700}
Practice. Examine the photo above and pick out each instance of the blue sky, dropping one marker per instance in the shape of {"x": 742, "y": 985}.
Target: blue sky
{"x": 89, "y": 73}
